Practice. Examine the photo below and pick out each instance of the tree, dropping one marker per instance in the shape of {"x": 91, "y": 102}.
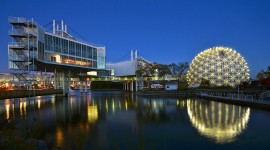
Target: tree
{"x": 263, "y": 74}
{"x": 260, "y": 75}
{"x": 267, "y": 73}
{"x": 147, "y": 70}
{"x": 183, "y": 84}
{"x": 205, "y": 83}
{"x": 163, "y": 70}
{"x": 179, "y": 71}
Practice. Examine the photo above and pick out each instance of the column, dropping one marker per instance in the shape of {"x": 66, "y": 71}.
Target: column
{"x": 54, "y": 80}
{"x": 131, "y": 86}
{"x": 63, "y": 83}
{"x": 85, "y": 87}
{"x": 127, "y": 87}
{"x": 136, "y": 85}
{"x": 81, "y": 88}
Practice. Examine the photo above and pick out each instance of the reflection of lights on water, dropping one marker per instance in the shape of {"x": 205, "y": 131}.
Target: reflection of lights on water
{"x": 59, "y": 137}
{"x": 22, "y": 108}
{"x": 119, "y": 105}
{"x": 7, "y": 111}
{"x": 92, "y": 113}
{"x": 181, "y": 103}
{"x": 113, "y": 107}
{"x": 38, "y": 104}
{"x": 126, "y": 105}
{"x": 220, "y": 122}
{"x": 107, "y": 107}
{"x": 154, "y": 104}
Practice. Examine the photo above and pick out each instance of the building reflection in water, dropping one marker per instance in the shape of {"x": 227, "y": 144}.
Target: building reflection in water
{"x": 102, "y": 117}
{"x": 92, "y": 113}
{"x": 59, "y": 137}
{"x": 7, "y": 111}
{"x": 23, "y": 109}
{"x": 218, "y": 121}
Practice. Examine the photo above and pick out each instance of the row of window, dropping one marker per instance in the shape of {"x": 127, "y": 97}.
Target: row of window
{"x": 60, "y": 45}
{"x": 62, "y": 59}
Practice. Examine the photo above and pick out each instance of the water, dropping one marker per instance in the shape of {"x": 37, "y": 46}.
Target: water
{"x": 119, "y": 120}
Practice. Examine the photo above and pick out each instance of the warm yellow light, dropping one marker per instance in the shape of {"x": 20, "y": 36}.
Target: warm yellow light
{"x": 218, "y": 64}
{"x": 92, "y": 112}
{"x": 92, "y": 73}
{"x": 218, "y": 121}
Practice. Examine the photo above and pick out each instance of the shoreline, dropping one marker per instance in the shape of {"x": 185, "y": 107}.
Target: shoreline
{"x": 28, "y": 93}
{"x": 254, "y": 103}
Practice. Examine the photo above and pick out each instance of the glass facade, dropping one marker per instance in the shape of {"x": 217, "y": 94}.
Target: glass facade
{"x": 67, "y": 51}
{"x": 101, "y": 58}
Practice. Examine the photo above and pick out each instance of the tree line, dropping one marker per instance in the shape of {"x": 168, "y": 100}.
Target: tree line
{"x": 263, "y": 74}
{"x": 177, "y": 71}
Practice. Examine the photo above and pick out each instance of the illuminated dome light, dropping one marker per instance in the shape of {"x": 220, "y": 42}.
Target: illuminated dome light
{"x": 222, "y": 66}
{"x": 218, "y": 121}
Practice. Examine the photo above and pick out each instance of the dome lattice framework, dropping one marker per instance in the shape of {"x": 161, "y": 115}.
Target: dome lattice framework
{"x": 222, "y": 66}
{"x": 219, "y": 122}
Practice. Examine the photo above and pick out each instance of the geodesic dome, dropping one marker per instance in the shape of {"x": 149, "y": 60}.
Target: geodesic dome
{"x": 222, "y": 66}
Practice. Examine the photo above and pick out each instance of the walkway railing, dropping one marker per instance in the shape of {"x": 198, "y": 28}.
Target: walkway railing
{"x": 132, "y": 78}
{"x": 233, "y": 96}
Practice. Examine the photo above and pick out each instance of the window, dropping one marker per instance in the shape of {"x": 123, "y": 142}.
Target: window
{"x": 78, "y": 49}
{"x": 53, "y": 58}
{"x": 72, "y": 48}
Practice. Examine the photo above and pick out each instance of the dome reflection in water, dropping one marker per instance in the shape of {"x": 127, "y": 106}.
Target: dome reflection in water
{"x": 218, "y": 121}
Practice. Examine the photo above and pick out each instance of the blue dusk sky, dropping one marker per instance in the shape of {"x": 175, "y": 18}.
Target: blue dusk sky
{"x": 163, "y": 31}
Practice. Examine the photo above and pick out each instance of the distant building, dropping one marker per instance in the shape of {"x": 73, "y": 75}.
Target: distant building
{"x": 156, "y": 86}
{"x": 127, "y": 68}
{"x": 171, "y": 86}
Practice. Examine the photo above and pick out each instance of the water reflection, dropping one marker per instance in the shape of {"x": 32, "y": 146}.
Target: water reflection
{"x": 218, "y": 121}
{"x": 119, "y": 120}
{"x": 92, "y": 112}
{"x": 156, "y": 109}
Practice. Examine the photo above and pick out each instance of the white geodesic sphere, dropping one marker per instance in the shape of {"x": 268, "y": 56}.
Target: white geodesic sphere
{"x": 222, "y": 66}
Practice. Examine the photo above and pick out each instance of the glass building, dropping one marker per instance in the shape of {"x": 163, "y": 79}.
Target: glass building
{"x": 34, "y": 45}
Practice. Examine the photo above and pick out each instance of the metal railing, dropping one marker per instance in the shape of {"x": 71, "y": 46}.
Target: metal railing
{"x": 19, "y": 32}
{"x": 17, "y": 57}
{"x": 17, "y": 20}
{"x": 22, "y": 32}
{"x": 17, "y": 45}
{"x": 265, "y": 95}
{"x": 19, "y": 71}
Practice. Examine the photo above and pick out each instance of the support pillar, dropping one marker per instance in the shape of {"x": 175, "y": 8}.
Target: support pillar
{"x": 65, "y": 83}
{"x": 131, "y": 86}
{"x": 128, "y": 87}
{"x": 125, "y": 85}
{"x": 81, "y": 88}
{"x": 54, "y": 80}
{"x": 136, "y": 85}
{"x": 85, "y": 86}
{"x": 62, "y": 81}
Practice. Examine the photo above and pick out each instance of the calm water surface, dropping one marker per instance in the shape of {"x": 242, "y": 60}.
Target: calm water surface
{"x": 120, "y": 120}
